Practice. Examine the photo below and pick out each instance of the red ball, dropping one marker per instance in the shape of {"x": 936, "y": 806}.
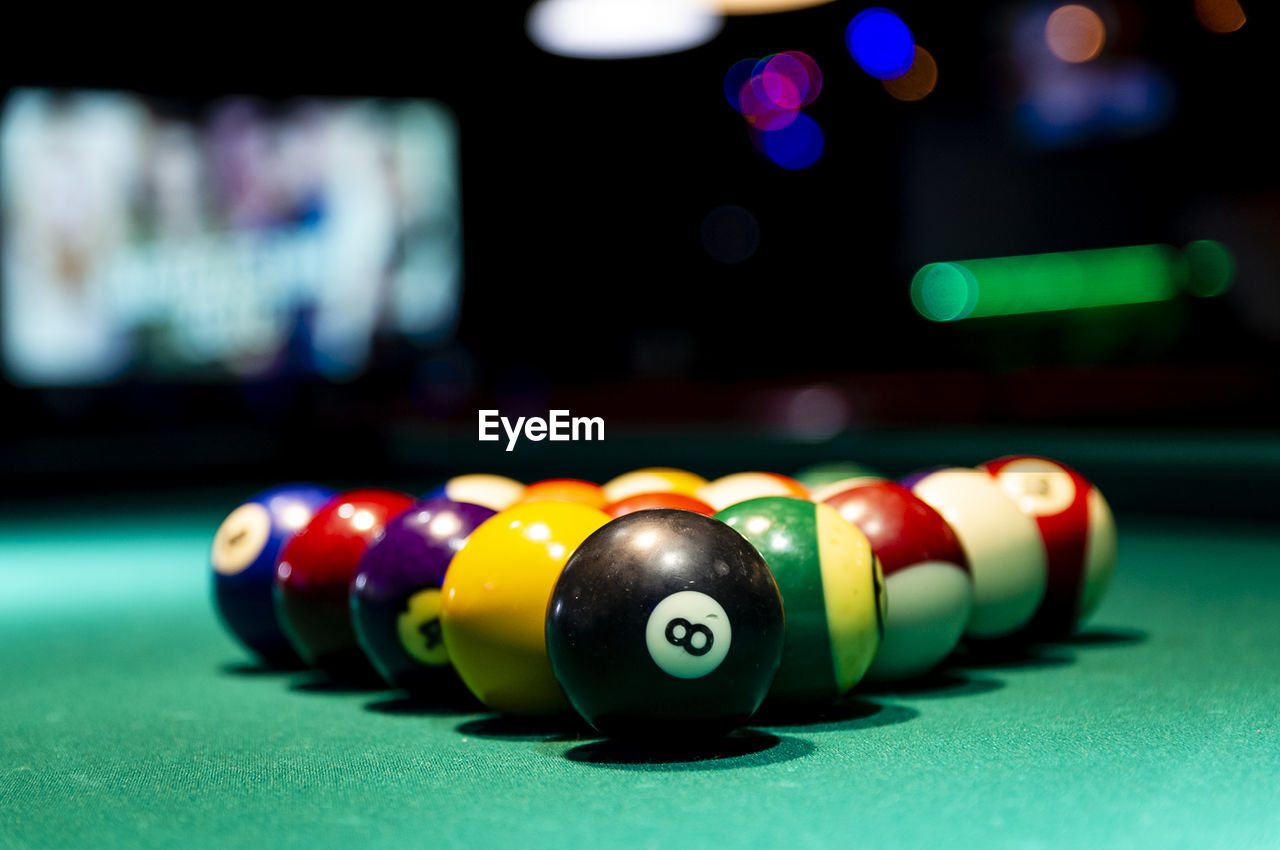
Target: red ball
{"x": 314, "y": 575}
{"x": 651, "y": 501}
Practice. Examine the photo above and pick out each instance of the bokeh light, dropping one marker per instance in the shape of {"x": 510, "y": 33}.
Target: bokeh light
{"x": 730, "y": 234}
{"x": 763, "y": 7}
{"x": 815, "y": 413}
{"x": 1039, "y": 283}
{"x": 944, "y": 292}
{"x": 621, "y": 29}
{"x": 779, "y": 82}
{"x": 1211, "y": 268}
{"x": 880, "y": 43}
{"x": 1220, "y": 16}
{"x": 761, "y": 112}
{"x": 788, "y": 81}
{"x": 919, "y": 80}
{"x": 738, "y": 76}
{"x": 796, "y": 146}
{"x": 769, "y": 93}
{"x": 1075, "y": 33}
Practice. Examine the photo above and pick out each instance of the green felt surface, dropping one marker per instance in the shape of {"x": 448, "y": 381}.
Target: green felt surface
{"x": 128, "y": 719}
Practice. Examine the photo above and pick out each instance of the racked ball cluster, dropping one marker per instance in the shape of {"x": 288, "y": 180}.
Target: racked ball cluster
{"x": 662, "y": 605}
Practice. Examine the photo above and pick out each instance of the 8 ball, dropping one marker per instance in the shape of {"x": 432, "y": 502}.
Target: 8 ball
{"x": 665, "y": 623}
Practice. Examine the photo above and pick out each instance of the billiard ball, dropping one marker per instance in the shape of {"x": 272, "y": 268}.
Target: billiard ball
{"x": 831, "y": 488}
{"x": 1079, "y": 535}
{"x": 245, "y": 548}
{"x": 314, "y": 574}
{"x": 395, "y": 598}
{"x": 831, "y": 592}
{"x": 821, "y": 474}
{"x": 740, "y": 486}
{"x": 494, "y": 603}
{"x": 1002, "y": 544}
{"x": 496, "y": 492}
{"x": 650, "y": 501}
{"x": 665, "y": 624}
{"x": 653, "y": 479}
{"x": 926, "y": 577}
{"x": 564, "y": 490}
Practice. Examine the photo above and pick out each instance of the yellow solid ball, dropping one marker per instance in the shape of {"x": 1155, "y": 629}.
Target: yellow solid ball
{"x": 494, "y": 603}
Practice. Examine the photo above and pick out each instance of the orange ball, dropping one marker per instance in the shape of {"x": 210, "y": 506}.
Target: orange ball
{"x": 649, "y": 501}
{"x": 564, "y": 490}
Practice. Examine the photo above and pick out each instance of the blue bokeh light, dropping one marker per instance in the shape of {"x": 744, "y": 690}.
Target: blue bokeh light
{"x": 880, "y": 43}
{"x": 797, "y": 145}
{"x": 738, "y": 77}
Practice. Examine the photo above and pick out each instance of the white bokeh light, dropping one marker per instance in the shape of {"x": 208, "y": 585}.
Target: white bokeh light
{"x": 621, "y": 29}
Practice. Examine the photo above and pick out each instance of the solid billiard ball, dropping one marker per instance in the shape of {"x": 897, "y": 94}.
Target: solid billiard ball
{"x": 244, "y": 553}
{"x": 1002, "y": 544}
{"x": 494, "y": 603}
{"x": 314, "y": 574}
{"x": 1079, "y": 535}
{"x": 665, "y": 624}
{"x": 496, "y": 492}
{"x": 653, "y": 479}
{"x": 650, "y": 501}
{"x": 831, "y": 592}
{"x": 926, "y": 577}
{"x": 564, "y": 490}
{"x": 395, "y": 598}
{"x": 740, "y": 486}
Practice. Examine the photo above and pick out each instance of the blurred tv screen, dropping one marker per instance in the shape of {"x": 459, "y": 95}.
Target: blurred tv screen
{"x": 227, "y": 239}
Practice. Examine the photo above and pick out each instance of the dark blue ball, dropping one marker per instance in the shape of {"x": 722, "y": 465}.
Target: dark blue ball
{"x": 243, "y": 560}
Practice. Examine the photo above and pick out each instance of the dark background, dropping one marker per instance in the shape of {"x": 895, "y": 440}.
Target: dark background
{"x": 587, "y": 285}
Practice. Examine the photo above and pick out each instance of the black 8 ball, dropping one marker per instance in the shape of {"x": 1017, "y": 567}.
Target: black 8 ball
{"x": 665, "y": 624}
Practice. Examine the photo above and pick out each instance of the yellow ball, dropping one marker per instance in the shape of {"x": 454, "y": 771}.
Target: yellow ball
{"x": 494, "y": 603}
{"x": 654, "y": 479}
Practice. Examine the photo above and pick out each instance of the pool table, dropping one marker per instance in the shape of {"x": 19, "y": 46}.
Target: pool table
{"x": 128, "y": 718}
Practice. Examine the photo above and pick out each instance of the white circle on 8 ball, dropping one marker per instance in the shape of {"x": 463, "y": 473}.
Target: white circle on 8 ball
{"x": 688, "y": 634}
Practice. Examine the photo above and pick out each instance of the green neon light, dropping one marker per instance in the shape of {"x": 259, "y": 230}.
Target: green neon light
{"x": 1041, "y": 283}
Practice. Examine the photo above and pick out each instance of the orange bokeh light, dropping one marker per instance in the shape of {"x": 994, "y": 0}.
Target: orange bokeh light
{"x": 1075, "y": 33}
{"x": 1220, "y": 16}
{"x": 918, "y": 82}
{"x": 762, "y": 7}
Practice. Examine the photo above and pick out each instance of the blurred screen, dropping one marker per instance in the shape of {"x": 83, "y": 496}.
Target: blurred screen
{"x": 228, "y": 239}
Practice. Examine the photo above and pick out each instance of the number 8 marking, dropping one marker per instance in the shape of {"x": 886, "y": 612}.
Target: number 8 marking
{"x": 687, "y": 631}
{"x": 688, "y": 634}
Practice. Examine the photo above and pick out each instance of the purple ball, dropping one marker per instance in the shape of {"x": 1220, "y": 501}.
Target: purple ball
{"x": 911, "y": 480}
{"x": 395, "y": 598}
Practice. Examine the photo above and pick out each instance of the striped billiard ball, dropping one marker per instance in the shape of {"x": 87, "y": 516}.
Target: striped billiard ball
{"x": 1079, "y": 534}
{"x": 832, "y": 595}
{"x": 741, "y": 486}
{"x": 926, "y": 575}
{"x": 1006, "y": 555}
{"x": 496, "y": 492}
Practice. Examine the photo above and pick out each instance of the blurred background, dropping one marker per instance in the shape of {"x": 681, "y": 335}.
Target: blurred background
{"x": 746, "y": 234}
